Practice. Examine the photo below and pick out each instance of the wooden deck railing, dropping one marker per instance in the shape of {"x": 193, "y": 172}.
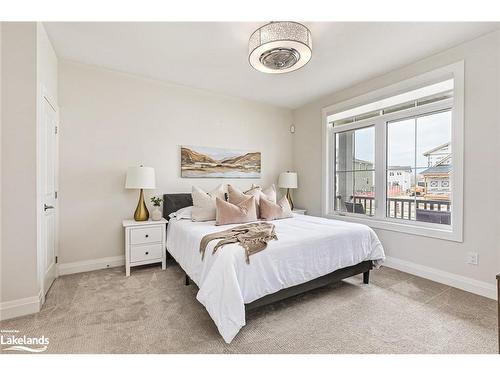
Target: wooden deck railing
{"x": 400, "y": 208}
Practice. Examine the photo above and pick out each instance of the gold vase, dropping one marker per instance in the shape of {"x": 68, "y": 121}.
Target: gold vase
{"x": 141, "y": 212}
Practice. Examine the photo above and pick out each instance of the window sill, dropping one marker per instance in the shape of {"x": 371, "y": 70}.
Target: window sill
{"x": 429, "y": 230}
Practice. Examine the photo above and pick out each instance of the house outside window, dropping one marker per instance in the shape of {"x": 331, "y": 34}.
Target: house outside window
{"x": 397, "y": 163}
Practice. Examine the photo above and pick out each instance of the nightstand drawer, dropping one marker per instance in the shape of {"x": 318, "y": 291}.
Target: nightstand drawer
{"x": 146, "y": 252}
{"x": 146, "y": 235}
{"x": 144, "y": 243}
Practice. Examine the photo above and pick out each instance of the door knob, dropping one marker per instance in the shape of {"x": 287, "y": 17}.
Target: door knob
{"x": 45, "y": 207}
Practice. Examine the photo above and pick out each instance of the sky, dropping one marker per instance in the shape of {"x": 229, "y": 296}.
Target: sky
{"x": 432, "y": 131}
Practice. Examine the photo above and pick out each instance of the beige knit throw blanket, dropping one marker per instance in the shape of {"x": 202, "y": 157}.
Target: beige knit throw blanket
{"x": 253, "y": 237}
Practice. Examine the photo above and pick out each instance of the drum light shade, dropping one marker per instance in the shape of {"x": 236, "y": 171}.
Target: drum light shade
{"x": 140, "y": 178}
{"x": 280, "y": 47}
{"x": 288, "y": 180}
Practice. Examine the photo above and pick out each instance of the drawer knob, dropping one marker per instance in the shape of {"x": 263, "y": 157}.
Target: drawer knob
{"x": 147, "y": 235}
{"x": 147, "y": 252}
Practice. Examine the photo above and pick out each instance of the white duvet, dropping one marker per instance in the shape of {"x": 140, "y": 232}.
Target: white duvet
{"x": 307, "y": 247}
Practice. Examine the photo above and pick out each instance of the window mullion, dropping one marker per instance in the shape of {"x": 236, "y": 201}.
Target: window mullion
{"x": 415, "y": 172}
{"x": 332, "y": 175}
{"x": 380, "y": 166}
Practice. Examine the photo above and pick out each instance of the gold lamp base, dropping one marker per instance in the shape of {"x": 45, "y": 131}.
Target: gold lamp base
{"x": 141, "y": 212}
{"x": 289, "y": 198}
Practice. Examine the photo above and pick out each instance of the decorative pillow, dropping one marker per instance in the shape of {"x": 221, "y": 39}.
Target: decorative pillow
{"x": 228, "y": 213}
{"x": 268, "y": 193}
{"x": 183, "y": 213}
{"x": 204, "y": 203}
{"x": 272, "y": 211}
{"x": 235, "y": 196}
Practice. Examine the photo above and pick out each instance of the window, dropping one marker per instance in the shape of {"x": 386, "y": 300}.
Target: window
{"x": 418, "y": 148}
{"x": 355, "y": 171}
{"x": 396, "y": 163}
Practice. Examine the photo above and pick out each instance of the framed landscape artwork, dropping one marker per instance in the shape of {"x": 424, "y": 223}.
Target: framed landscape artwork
{"x": 211, "y": 162}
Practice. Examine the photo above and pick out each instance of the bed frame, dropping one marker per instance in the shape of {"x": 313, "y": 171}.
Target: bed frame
{"x": 174, "y": 202}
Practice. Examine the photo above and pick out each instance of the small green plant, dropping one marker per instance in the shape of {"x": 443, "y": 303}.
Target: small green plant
{"x": 156, "y": 201}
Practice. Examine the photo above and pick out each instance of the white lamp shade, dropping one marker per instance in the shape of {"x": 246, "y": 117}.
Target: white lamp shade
{"x": 140, "y": 178}
{"x": 288, "y": 180}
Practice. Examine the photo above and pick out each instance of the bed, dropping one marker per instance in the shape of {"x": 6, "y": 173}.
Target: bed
{"x": 310, "y": 252}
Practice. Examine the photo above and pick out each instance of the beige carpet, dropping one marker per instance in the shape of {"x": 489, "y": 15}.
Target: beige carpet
{"x": 153, "y": 312}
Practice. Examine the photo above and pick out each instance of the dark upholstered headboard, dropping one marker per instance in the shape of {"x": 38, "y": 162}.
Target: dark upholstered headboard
{"x": 174, "y": 202}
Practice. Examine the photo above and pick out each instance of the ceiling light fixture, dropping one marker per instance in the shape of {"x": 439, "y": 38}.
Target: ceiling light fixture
{"x": 280, "y": 47}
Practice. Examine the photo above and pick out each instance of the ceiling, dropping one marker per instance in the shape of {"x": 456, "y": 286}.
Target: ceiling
{"x": 213, "y": 55}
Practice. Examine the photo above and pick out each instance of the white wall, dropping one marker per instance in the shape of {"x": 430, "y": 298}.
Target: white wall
{"x": 482, "y": 160}
{"x": 18, "y": 266}
{"x": 110, "y": 121}
{"x": 28, "y": 63}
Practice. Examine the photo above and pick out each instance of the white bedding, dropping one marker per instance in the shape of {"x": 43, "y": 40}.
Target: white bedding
{"x": 307, "y": 247}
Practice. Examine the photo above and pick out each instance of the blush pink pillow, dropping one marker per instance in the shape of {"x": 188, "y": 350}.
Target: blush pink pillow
{"x": 267, "y": 193}
{"x": 235, "y": 196}
{"x": 272, "y": 211}
{"x": 228, "y": 213}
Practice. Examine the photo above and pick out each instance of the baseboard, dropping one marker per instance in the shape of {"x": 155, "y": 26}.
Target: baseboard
{"x": 20, "y": 307}
{"x": 460, "y": 282}
{"x": 90, "y": 265}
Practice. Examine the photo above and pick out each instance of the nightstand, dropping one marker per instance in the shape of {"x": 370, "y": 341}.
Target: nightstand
{"x": 144, "y": 243}
{"x": 299, "y": 211}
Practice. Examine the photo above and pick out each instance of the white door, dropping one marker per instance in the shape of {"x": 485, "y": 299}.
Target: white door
{"x": 49, "y": 186}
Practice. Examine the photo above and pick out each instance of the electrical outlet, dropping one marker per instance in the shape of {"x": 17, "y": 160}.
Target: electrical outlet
{"x": 472, "y": 258}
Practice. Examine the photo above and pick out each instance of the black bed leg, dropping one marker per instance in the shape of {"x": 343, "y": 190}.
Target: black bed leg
{"x": 187, "y": 280}
{"x": 366, "y": 277}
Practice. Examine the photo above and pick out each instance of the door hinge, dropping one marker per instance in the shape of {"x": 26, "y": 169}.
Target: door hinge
{"x": 55, "y": 194}
{"x": 55, "y": 130}
{"x": 56, "y": 259}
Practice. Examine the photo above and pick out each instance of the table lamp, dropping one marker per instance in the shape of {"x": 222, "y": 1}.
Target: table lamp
{"x": 288, "y": 180}
{"x": 140, "y": 178}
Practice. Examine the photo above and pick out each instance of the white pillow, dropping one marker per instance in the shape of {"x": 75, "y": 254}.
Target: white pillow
{"x": 204, "y": 203}
{"x": 183, "y": 213}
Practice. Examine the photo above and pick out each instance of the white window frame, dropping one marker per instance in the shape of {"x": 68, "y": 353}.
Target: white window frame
{"x": 453, "y": 232}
